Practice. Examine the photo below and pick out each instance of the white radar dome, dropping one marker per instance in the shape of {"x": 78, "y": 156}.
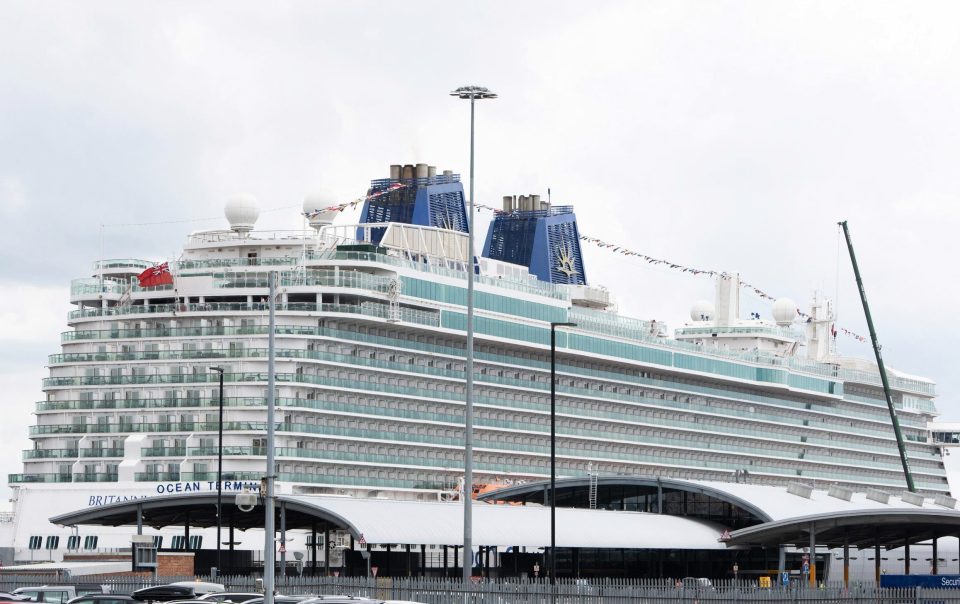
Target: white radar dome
{"x": 784, "y": 311}
{"x": 702, "y": 310}
{"x": 316, "y": 207}
{"x": 242, "y": 212}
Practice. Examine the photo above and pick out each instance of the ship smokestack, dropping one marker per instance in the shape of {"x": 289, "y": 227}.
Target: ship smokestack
{"x": 395, "y": 171}
{"x": 421, "y": 171}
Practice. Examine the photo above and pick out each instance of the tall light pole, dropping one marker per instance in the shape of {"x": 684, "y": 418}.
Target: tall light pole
{"x": 219, "y": 370}
{"x": 270, "y": 534}
{"x": 553, "y": 447}
{"x": 473, "y": 93}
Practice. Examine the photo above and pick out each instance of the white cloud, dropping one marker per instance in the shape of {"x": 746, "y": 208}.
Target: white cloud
{"x": 13, "y": 195}
{"x": 32, "y": 314}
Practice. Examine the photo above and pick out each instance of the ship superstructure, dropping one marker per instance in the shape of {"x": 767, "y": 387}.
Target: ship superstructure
{"x": 370, "y": 368}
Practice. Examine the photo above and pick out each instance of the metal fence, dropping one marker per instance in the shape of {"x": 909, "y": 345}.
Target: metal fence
{"x": 566, "y": 591}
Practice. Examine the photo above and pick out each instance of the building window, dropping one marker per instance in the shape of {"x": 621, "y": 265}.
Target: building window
{"x": 158, "y": 541}
{"x": 73, "y": 542}
{"x": 196, "y": 541}
{"x": 53, "y": 542}
{"x": 90, "y": 542}
{"x": 35, "y": 542}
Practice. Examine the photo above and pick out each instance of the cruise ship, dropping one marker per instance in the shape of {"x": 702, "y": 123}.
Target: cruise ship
{"x": 370, "y": 372}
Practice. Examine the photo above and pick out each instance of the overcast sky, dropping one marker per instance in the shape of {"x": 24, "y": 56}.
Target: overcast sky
{"x": 721, "y": 135}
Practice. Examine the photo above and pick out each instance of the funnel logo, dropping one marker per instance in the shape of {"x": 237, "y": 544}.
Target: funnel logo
{"x": 565, "y": 262}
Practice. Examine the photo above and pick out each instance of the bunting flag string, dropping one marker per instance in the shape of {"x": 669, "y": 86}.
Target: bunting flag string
{"x": 352, "y": 204}
{"x": 616, "y": 249}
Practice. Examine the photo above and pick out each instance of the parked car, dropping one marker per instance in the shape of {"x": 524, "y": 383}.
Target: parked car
{"x": 337, "y": 599}
{"x": 230, "y": 596}
{"x": 278, "y": 599}
{"x": 701, "y": 583}
{"x": 182, "y": 590}
{"x": 57, "y": 594}
{"x": 103, "y": 599}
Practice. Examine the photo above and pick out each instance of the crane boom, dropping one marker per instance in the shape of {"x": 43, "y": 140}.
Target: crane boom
{"x": 883, "y": 371}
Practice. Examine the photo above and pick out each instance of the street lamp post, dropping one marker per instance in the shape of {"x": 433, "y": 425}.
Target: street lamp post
{"x": 473, "y": 93}
{"x": 553, "y": 446}
{"x": 219, "y": 370}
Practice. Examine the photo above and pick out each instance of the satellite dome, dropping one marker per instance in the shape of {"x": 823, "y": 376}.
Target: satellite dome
{"x": 702, "y": 310}
{"x": 315, "y": 207}
{"x": 784, "y": 311}
{"x": 242, "y": 212}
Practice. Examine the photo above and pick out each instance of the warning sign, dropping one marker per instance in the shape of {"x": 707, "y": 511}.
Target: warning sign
{"x": 374, "y": 569}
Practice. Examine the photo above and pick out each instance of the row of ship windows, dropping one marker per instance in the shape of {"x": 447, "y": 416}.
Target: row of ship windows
{"x": 237, "y": 348}
{"x": 525, "y": 332}
{"x": 531, "y": 421}
{"x": 390, "y": 333}
{"x": 692, "y": 403}
{"x": 523, "y": 460}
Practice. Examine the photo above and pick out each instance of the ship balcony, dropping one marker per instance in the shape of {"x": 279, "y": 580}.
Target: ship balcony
{"x": 233, "y": 475}
{"x": 147, "y": 427}
{"x": 227, "y": 450}
{"x": 102, "y": 452}
{"x": 156, "y": 476}
{"x": 50, "y": 477}
{"x": 152, "y": 403}
{"x": 95, "y": 477}
{"x": 163, "y": 452}
{"x": 50, "y": 454}
{"x": 95, "y": 289}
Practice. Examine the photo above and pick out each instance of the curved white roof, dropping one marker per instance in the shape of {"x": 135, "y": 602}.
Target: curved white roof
{"x": 780, "y": 504}
{"x": 415, "y": 522}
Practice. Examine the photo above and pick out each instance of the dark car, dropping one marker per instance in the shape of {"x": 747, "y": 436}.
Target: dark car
{"x": 339, "y": 600}
{"x": 230, "y": 596}
{"x": 279, "y": 600}
{"x": 103, "y": 599}
{"x": 183, "y": 590}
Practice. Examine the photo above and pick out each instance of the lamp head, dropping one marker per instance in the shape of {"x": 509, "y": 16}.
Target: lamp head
{"x": 473, "y": 92}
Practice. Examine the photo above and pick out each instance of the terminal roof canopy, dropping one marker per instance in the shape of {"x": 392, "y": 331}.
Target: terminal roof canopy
{"x": 768, "y": 516}
{"x": 413, "y": 522}
{"x": 861, "y": 529}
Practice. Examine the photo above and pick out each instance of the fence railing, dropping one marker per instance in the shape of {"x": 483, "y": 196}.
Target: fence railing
{"x": 531, "y": 591}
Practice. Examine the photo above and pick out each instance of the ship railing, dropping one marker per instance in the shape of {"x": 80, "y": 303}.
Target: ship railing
{"x": 102, "y": 452}
{"x": 658, "y": 458}
{"x": 163, "y": 451}
{"x": 439, "y": 179}
{"x": 122, "y": 263}
{"x": 50, "y": 453}
{"x": 750, "y": 330}
{"x": 189, "y": 265}
{"x": 432, "y": 318}
{"x": 311, "y": 403}
{"x": 220, "y": 236}
{"x": 455, "y": 373}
